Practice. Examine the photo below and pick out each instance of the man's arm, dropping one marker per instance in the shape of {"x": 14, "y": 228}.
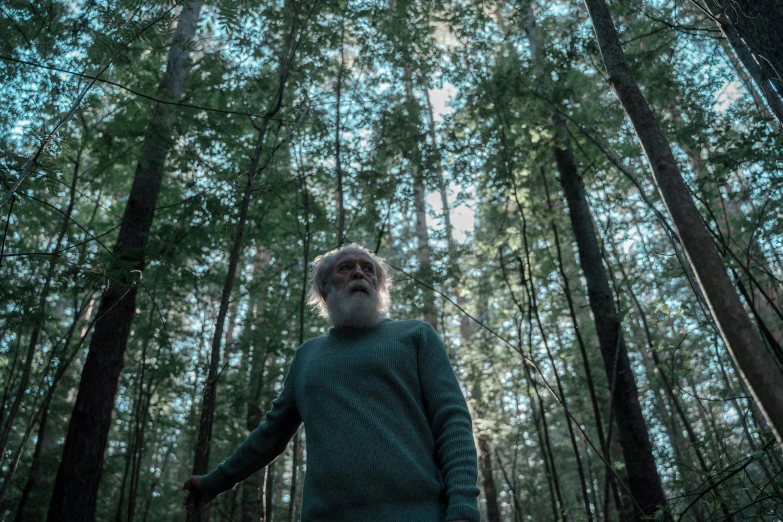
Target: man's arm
{"x": 263, "y": 445}
{"x": 451, "y": 426}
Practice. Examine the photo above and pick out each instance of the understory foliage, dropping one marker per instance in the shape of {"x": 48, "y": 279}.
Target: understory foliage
{"x": 386, "y": 95}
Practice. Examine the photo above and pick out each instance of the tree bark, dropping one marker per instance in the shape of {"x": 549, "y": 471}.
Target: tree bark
{"x": 643, "y": 479}
{"x": 488, "y": 480}
{"x": 76, "y": 486}
{"x": 337, "y": 140}
{"x": 269, "y": 493}
{"x": 754, "y": 28}
{"x": 485, "y": 453}
{"x": 754, "y": 362}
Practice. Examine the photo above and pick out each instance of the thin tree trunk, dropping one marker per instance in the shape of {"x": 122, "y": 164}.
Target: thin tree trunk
{"x": 750, "y": 75}
{"x": 11, "y": 377}
{"x": 269, "y": 492}
{"x": 518, "y": 513}
{"x": 144, "y": 399}
{"x": 33, "y": 480}
{"x": 128, "y": 457}
{"x": 43, "y": 412}
{"x": 649, "y": 353}
{"x": 754, "y": 362}
{"x": 201, "y": 458}
{"x": 40, "y": 313}
{"x": 76, "y": 486}
{"x": 543, "y": 435}
{"x": 154, "y": 484}
{"x": 643, "y": 479}
{"x": 37, "y": 327}
{"x": 532, "y": 299}
{"x": 547, "y": 446}
{"x": 555, "y": 497}
{"x": 253, "y": 487}
{"x": 609, "y": 476}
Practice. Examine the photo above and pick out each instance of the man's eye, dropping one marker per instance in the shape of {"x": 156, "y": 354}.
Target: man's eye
{"x": 368, "y": 268}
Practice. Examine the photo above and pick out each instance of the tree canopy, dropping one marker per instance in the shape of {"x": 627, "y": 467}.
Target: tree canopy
{"x": 169, "y": 171}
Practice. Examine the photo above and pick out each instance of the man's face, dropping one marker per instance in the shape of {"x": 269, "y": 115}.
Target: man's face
{"x": 353, "y": 297}
{"x": 353, "y": 273}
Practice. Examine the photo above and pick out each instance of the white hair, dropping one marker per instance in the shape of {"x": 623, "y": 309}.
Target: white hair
{"x": 321, "y": 278}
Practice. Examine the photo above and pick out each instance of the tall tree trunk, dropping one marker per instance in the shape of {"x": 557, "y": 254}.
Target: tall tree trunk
{"x": 423, "y": 253}
{"x": 558, "y": 508}
{"x": 754, "y": 28}
{"x": 485, "y": 454}
{"x": 252, "y": 489}
{"x": 442, "y": 189}
{"x": 76, "y": 486}
{"x": 753, "y": 361}
{"x": 302, "y": 309}
{"x": 337, "y": 140}
{"x": 643, "y": 479}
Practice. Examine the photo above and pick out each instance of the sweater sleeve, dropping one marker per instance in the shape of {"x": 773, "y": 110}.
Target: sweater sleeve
{"x": 451, "y": 426}
{"x": 263, "y": 445}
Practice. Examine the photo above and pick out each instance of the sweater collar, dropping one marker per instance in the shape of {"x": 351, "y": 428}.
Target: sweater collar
{"x": 351, "y": 331}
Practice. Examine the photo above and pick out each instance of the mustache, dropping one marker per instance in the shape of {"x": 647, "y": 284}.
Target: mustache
{"x": 359, "y": 283}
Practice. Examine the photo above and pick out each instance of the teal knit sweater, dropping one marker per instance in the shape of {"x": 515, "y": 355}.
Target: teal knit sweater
{"x": 389, "y": 435}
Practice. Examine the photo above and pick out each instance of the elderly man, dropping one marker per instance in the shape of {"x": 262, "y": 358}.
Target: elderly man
{"x": 389, "y": 435}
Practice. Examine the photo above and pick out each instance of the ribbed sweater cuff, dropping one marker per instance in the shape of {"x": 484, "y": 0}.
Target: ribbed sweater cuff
{"x": 214, "y": 483}
{"x": 463, "y": 508}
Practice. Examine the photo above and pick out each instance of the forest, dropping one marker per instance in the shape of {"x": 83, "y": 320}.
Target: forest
{"x": 583, "y": 198}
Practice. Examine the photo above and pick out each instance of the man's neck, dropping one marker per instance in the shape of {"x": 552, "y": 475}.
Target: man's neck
{"x": 361, "y": 326}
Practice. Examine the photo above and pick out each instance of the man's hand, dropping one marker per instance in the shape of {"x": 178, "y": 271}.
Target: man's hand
{"x": 193, "y": 484}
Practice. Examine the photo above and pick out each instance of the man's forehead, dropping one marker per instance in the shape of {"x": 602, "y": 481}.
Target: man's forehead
{"x": 352, "y": 255}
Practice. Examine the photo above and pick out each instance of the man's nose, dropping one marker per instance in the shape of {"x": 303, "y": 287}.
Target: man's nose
{"x": 357, "y": 272}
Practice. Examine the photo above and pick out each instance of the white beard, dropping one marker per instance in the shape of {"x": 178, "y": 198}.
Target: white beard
{"x": 356, "y": 310}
